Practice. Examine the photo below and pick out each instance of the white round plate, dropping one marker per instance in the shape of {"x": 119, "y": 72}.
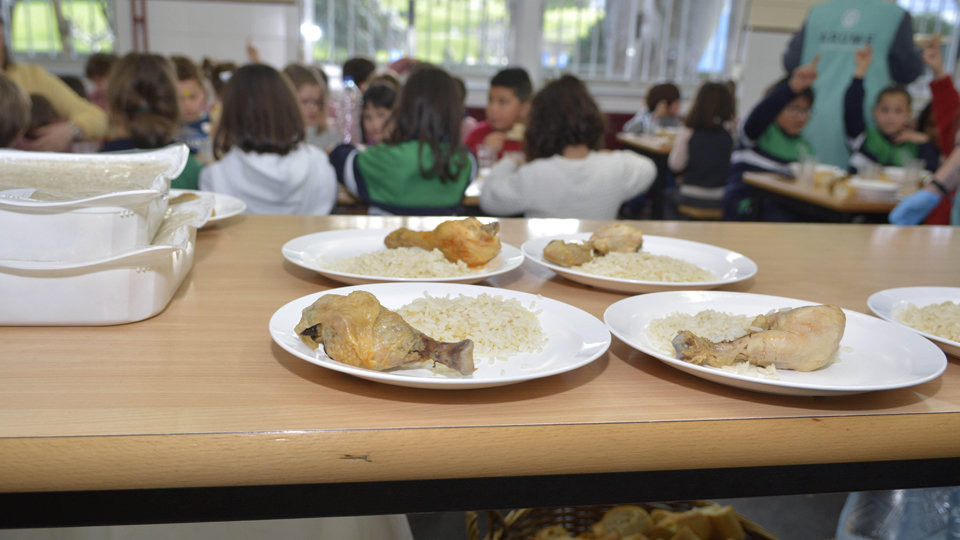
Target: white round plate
{"x": 884, "y": 303}
{"x": 575, "y": 338}
{"x": 224, "y": 206}
{"x": 874, "y": 354}
{"x": 730, "y": 266}
{"x": 310, "y": 252}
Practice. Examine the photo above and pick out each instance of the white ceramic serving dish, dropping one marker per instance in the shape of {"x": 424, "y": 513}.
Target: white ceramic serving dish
{"x": 119, "y": 289}
{"x": 728, "y": 266}
{"x": 93, "y": 226}
{"x": 885, "y": 303}
{"x": 312, "y": 251}
{"x": 574, "y": 338}
{"x": 874, "y": 354}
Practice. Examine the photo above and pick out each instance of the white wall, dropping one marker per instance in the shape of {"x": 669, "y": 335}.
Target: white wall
{"x": 762, "y": 66}
{"x": 219, "y": 30}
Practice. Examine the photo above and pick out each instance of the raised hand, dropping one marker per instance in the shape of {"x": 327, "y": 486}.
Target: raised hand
{"x": 862, "y": 59}
{"x": 932, "y": 56}
{"x": 803, "y": 76}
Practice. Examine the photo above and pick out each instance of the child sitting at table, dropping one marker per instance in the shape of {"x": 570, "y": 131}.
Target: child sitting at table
{"x": 378, "y": 102}
{"x": 892, "y": 142}
{"x": 770, "y": 139}
{"x": 194, "y": 119}
{"x": 263, "y": 158}
{"x": 663, "y": 110}
{"x": 421, "y": 167}
{"x": 566, "y": 175}
{"x": 144, "y": 111}
{"x": 508, "y": 102}
{"x": 310, "y": 85}
{"x": 701, "y": 151}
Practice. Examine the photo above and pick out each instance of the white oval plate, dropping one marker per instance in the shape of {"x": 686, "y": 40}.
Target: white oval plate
{"x": 874, "y": 354}
{"x": 310, "y": 251}
{"x": 575, "y": 338}
{"x": 883, "y": 303}
{"x": 730, "y": 266}
{"x": 224, "y": 206}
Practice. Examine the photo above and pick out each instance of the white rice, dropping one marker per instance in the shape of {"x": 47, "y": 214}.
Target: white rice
{"x": 406, "y": 262}
{"x": 499, "y": 327}
{"x": 712, "y": 325}
{"x": 941, "y": 320}
{"x": 645, "y": 266}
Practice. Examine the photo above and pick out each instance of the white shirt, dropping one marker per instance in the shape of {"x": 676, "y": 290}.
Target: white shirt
{"x": 301, "y": 182}
{"x": 590, "y": 188}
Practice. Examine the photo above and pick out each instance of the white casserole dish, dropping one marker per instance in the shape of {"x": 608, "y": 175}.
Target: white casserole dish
{"x": 119, "y": 289}
{"x": 38, "y": 224}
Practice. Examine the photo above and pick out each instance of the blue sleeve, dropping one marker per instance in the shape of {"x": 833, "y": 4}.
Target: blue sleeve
{"x": 765, "y": 112}
{"x": 904, "y": 59}
{"x": 853, "y": 109}
{"x": 794, "y": 52}
{"x": 344, "y": 161}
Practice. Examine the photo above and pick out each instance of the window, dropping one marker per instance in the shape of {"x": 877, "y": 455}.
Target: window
{"x": 77, "y": 27}
{"x": 642, "y": 40}
{"x": 635, "y": 41}
{"x": 935, "y": 17}
{"x": 453, "y": 33}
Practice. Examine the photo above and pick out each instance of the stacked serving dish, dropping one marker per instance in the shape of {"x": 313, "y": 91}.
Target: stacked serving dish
{"x": 89, "y": 239}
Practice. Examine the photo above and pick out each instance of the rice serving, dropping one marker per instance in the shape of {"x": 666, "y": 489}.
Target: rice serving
{"x": 941, "y": 320}
{"x": 500, "y": 328}
{"x": 646, "y": 267}
{"x": 406, "y": 262}
{"x": 712, "y": 325}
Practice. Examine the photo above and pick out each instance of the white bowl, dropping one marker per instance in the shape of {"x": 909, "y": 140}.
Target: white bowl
{"x": 119, "y": 289}
{"x": 99, "y": 222}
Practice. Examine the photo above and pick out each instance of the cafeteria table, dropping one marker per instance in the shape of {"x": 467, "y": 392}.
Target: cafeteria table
{"x": 817, "y": 202}
{"x": 197, "y": 415}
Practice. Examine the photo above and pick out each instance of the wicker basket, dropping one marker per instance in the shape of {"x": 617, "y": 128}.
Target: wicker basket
{"x": 525, "y": 522}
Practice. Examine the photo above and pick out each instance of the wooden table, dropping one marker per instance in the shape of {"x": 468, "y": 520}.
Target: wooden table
{"x": 776, "y": 184}
{"x": 196, "y": 414}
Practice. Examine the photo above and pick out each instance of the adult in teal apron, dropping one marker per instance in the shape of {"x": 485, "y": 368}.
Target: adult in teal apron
{"x": 834, "y": 30}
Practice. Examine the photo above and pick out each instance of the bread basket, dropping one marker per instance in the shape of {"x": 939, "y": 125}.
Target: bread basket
{"x": 524, "y": 523}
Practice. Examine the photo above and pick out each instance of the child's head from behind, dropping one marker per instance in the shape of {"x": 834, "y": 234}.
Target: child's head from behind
{"x": 508, "y": 101}
{"x": 378, "y": 103}
{"x": 793, "y": 118}
{"x": 429, "y": 109}
{"x": 311, "y": 94}
{"x": 359, "y": 69}
{"x": 97, "y": 69}
{"x": 667, "y": 93}
{"x": 191, "y": 89}
{"x": 563, "y": 114}
{"x": 891, "y": 112}
{"x": 42, "y": 113}
{"x": 142, "y": 99}
{"x": 260, "y": 113}
{"x": 712, "y": 107}
{"x": 14, "y": 111}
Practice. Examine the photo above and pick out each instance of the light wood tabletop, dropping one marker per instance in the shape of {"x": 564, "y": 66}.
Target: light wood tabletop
{"x": 655, "y": 144}
{"x": 200, "y": 396}
{"x": 780, "y": 185}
